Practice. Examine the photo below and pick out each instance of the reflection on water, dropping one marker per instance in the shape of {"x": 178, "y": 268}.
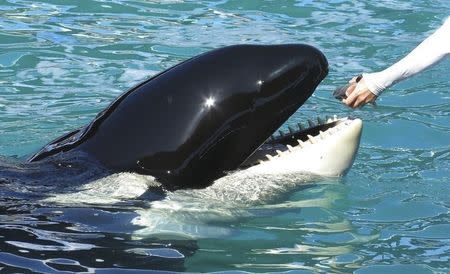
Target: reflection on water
{"x": 62, "y": 62}
{"x": 42, "y": 239}
{"x": 88, "y": 232}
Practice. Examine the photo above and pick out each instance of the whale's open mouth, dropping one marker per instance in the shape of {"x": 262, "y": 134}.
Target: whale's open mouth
{"x": 298, "y": 138}
{"x": 305, "y": 133}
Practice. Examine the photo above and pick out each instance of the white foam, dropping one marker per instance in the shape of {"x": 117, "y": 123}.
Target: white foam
{"x": 191, "y": 213}
{"x": 108, "y": 190}
{"x": 135, "y": 75}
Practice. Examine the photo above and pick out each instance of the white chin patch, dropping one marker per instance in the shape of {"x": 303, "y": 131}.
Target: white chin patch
{"x": 108, "y": 190}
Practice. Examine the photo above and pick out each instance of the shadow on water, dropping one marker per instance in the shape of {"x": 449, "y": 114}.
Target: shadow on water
{"x": 21, "y": 180}
{"x": 49, "y": 240}
{"x": 38, "y": 237}
{"x": 41, "y": 245}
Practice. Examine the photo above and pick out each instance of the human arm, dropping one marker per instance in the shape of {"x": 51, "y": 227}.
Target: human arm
{"x": 428, "y": 53}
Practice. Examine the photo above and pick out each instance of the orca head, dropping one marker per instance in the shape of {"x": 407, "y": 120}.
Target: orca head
{"x": 191, "y": 123}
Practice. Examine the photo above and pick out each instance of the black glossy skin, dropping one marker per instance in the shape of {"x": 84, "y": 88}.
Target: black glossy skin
{"x": 166, "y": 128}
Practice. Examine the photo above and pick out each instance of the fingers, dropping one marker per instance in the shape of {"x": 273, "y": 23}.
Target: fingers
{"x": 355, "y": 102}
{"x": 359, "y": 94}
{"x": 352, "y": 99}
{"x": 359, "y": 102}
{"x": 360, "y": 98}
{"x": 350, "y": 90}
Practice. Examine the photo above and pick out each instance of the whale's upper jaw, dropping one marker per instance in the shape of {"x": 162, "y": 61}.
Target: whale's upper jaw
{"x": 326, "y": 148}
{"x": 190, "y": 124}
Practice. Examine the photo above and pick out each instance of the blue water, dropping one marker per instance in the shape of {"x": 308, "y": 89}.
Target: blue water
{"x": 61, "y": 62}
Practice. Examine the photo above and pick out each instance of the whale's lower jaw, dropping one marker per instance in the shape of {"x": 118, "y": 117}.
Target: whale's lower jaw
{"x": 329, "y": 150}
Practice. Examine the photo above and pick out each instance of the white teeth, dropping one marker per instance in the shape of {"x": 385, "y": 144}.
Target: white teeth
{"x": 335, "y": 125}
{"x": 311, "y": 139}
{"x": 322, "y": 134}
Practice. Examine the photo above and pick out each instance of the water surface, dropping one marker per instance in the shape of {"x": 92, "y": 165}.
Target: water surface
{"x": 61, "y": 62}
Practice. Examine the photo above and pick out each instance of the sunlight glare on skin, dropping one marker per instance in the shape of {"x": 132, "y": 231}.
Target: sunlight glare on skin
{"x": 210, "y": 102}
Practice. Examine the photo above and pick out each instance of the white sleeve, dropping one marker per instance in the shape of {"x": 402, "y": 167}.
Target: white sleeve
{"x": 429, "y": 52}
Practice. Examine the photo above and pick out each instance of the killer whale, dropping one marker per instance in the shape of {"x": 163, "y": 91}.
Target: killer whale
{"x": 190, "y": 124}
{"x": 296, "y": 159}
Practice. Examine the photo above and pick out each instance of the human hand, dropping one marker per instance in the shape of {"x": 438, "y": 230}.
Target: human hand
{"x": 358, "y": 94}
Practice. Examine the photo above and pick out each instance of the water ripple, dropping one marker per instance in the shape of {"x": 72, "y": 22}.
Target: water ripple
{"x": 61, "y": 62}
